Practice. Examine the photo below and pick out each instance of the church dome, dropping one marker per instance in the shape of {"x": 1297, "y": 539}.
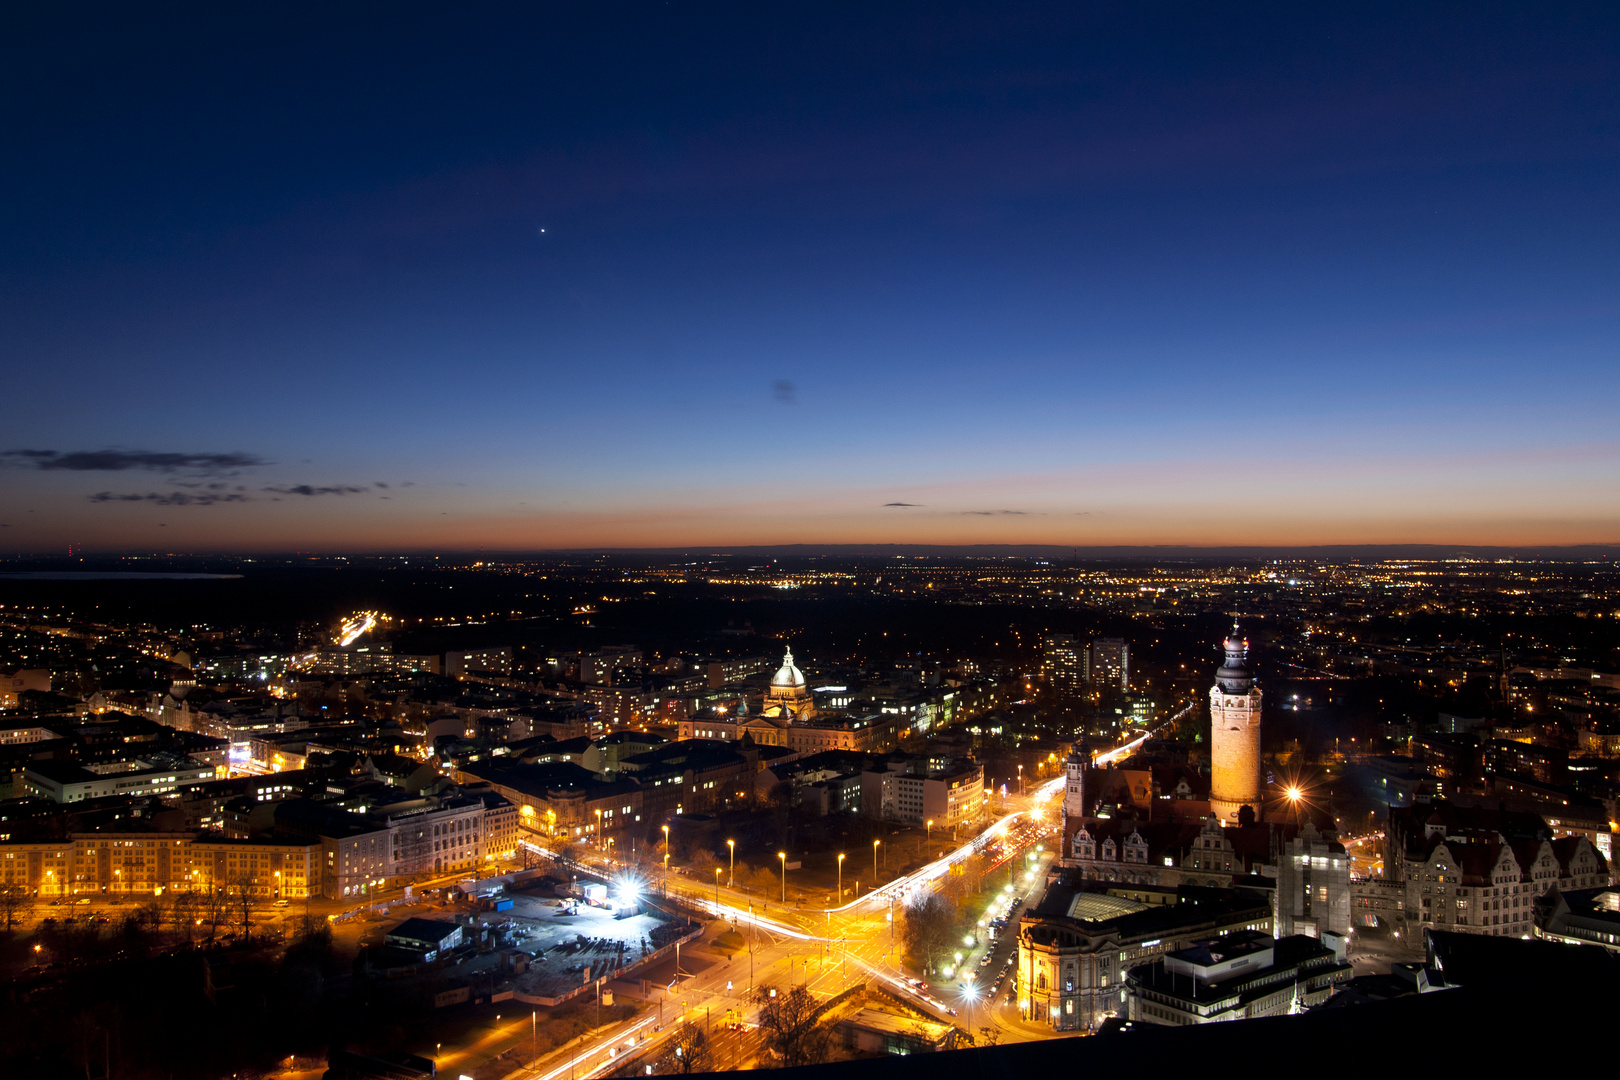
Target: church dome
{"x": 788, "y": 677}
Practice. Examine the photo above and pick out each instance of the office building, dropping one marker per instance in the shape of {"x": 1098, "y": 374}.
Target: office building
{"x": 1241, "y": 976}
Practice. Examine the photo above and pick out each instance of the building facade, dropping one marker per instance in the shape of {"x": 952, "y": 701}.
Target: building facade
{"x": 1075, "y": 948}
{"x": 1313, "y": 886}
{"x": 946, "y": 797}
{"x": 153, "y": 864}
{"x": 1242, "y": 976}
{"x": 1490, "y": 887}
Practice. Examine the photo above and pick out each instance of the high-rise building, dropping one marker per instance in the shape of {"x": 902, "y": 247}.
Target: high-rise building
{"x": 1063, "y": 665}
{"x": 1108, "y": 663}
{"x": 1234, "y": 735}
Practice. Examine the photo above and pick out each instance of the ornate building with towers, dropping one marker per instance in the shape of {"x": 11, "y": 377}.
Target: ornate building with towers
{"x": 789, "y": 699}
{"x": 1234, "y": 735}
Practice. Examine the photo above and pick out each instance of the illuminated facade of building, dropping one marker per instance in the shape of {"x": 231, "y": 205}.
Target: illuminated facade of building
{"x": 152, "y": 864}
{"x": 1062, "y": 665}
{"x": 1234, "y": 735}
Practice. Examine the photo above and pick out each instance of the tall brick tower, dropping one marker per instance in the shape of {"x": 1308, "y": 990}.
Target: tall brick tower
{"x": 1234, "y": 735}
{"x": 1074, "y": 789}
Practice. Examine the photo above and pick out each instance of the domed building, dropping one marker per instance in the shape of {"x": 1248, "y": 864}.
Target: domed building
{"x": 789, "y": 699}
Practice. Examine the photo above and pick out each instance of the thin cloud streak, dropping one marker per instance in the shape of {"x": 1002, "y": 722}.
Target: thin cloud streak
{"x": 124, "y": 460}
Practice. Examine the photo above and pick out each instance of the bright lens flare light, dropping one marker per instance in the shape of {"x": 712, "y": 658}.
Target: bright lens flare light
{"x": 1294, "y": 794}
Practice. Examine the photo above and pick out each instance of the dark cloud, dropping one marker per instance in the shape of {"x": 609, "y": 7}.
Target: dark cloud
{"x": 902, "y": 504}
{"x": 993, "y": 513}
{"x": 124, "y": 460}
{"x": 172, "y": 498}
{"x": 309, "y": 490}
{"x": 784, "y": 391}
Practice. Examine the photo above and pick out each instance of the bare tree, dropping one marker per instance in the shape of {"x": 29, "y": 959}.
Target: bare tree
{"x": 692, "y": 1052}
{"x": 242, "y": 901}
{"x": 182, "y": 915}
{"x": 213, "y": 908}
{"x": 150, "y": 914}
{"x": 929, "y": 929}
{"x": 787, "y": 1019}
{"x": 990, "y": 1035}
{"x": 15, "y": 901}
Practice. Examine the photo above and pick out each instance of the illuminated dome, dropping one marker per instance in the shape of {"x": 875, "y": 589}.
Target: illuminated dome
{"x": 789, "y": 676}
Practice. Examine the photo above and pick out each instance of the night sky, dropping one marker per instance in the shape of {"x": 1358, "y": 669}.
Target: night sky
{"x": 344, "y": 277}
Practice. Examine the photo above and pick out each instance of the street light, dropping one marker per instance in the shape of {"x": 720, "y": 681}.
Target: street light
{"x": 840, "y": 877}
{"x": 666, "y": 841}
{"x": 783, "y": 856}
{"x": 731, "y": 875}
{"x": 599, "y": 828}
{"x": 875, "y": 844}
{"x": 717, "y": 886}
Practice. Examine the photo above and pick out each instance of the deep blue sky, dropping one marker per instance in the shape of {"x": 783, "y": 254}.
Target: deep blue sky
{"x": 1155, "y": 274}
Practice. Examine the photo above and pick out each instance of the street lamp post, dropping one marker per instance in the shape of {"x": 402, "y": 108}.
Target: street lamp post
{"x": 875, "y": 844}
{"x": 731, "y": 874}
{"x": 717, "y": 887}
{"x": 599, "y": 830}
{"x": 782, "y": 855}
{"x": 840, "y": 877}
{"x": 664, "y": 881}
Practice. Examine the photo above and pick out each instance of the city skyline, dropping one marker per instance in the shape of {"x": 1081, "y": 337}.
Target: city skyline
{"x": 651, "y": 277}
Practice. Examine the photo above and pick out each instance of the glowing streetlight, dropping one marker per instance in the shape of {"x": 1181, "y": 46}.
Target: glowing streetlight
{"x": 783, "y": 856}
{"x": 717, "y": 886}
{"x": 731, "y": 874}
{"x": 875, "y": 844}
{"x": 840, "y": 877}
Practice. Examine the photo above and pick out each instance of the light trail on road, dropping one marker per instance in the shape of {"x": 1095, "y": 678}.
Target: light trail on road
{"x": 897, "y": 888}
{"x": 753, "y": 918}
{"x": 1120, "y": 751}
{"x": 573, "y": 1062}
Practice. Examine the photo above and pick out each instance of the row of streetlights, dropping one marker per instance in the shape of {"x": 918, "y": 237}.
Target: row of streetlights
{"x": 731, "y": 875}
